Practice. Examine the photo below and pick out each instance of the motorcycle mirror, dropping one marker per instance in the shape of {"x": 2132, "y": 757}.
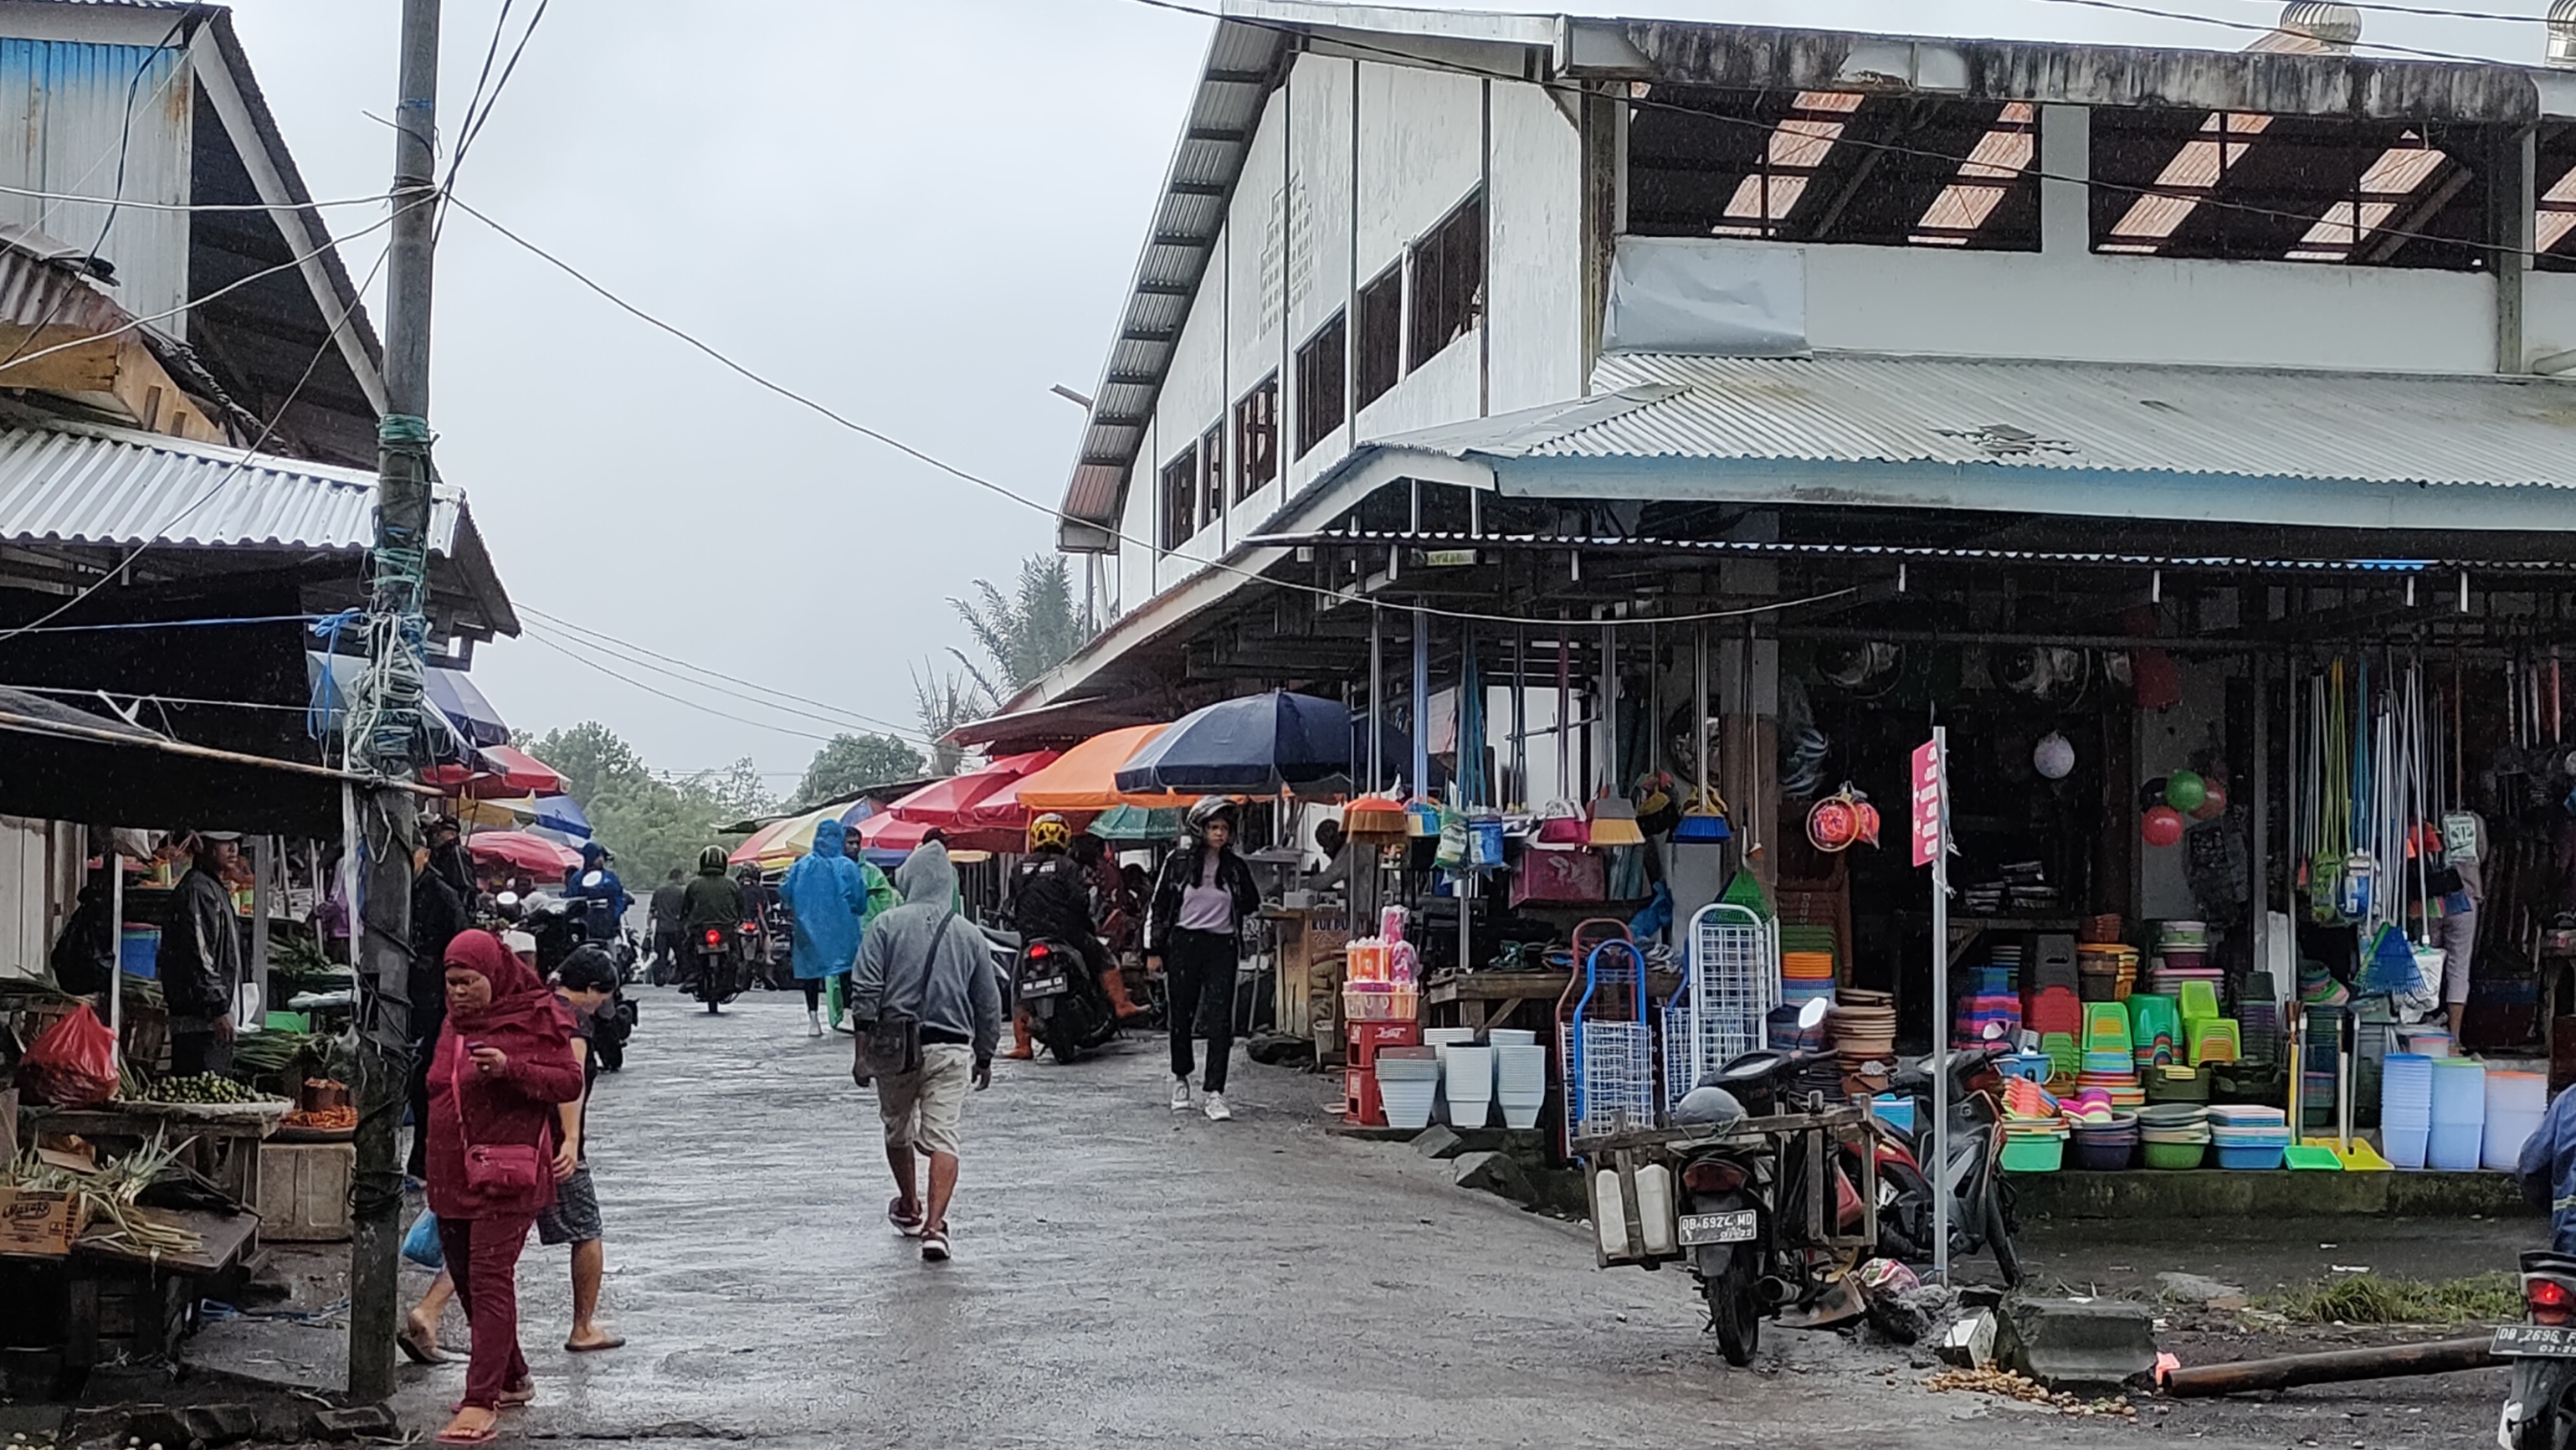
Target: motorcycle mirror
{"x": 1812, "y": 1015}
{"x": 592, "y": 879}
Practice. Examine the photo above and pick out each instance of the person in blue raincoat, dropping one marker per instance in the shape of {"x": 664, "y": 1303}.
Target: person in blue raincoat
{"x": 828, "y": 893}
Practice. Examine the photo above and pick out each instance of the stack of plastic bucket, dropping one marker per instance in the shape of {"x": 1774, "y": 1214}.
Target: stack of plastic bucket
{"x": 1520, "y": 1076}
{"x": 2516, "y": 1101}
{"x": 2406, "y": 1107}
{"x": 2459, "y": 1115}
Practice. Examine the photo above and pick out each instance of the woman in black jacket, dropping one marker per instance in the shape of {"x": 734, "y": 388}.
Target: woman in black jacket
{"x": 1193, "y": 933}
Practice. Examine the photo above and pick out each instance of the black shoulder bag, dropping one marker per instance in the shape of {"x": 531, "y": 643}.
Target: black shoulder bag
{"x": 892, "y": 1046}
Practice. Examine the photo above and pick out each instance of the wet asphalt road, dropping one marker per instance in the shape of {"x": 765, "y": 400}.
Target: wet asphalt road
{"x": 1123, "y": 1277}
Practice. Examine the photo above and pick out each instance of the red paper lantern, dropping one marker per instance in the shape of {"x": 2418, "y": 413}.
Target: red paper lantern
{"x": 2162, "y": 826}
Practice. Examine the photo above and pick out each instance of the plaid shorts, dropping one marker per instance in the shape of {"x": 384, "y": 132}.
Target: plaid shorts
{"x": 573, "y": 1218}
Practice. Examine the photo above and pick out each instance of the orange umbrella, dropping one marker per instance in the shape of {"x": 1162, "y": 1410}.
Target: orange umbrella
{"x": 1084, "y": 778}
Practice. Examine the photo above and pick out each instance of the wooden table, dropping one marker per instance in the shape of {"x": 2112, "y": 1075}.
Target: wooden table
{"x": 226, "y": 1152}
{"x": 1493, "y": 999}
{"x": 120, "y": 1304}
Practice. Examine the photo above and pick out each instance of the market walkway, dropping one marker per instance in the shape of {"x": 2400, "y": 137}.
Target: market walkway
{"x": 1123, "y": 1278}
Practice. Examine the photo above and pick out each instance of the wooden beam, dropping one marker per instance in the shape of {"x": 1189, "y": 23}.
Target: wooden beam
{"x": 57, "y": 358}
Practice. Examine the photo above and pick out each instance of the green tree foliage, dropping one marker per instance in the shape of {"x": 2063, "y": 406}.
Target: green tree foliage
{"x": 851, "y": 761}
{"x": 1026, "y": 633}
{"x": 651, "y": 823}
{"x": 943, "y": 702}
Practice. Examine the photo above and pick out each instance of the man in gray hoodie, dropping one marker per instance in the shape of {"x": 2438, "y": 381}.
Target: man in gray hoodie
{"x": 924, "y": 960}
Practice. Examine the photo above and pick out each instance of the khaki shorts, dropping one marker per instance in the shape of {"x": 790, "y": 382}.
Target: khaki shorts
{"x": 925, "y": 1107}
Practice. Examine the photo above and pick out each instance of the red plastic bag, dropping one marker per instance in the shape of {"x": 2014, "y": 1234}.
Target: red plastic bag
{"x": 73, "y": 1064}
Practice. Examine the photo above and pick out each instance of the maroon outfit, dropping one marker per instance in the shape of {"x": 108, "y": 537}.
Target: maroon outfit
{"x": 482, "y": 1232}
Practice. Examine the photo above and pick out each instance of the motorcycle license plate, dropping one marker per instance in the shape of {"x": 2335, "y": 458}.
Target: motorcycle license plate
{"x": 1048, "y": 987}
{"x": 2535, "y": 1341}
{"x": 1717, "y": 1228}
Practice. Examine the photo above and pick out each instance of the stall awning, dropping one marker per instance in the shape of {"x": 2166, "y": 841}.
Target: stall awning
{"x": 70, "y": 765}
{"x": 2228, "y": 445}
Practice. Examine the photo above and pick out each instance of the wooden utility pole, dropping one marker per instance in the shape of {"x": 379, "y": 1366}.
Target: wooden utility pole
{"x": 396, "y": 630}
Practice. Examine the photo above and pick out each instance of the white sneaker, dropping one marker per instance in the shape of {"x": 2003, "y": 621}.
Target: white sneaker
{"x": 813, "y": 1024}
{"x": 1217, "y": 1111}
{"x": 1180, "y": 1095}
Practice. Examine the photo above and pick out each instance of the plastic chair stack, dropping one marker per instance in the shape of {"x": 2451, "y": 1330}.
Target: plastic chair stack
{"x": 2459, "y": 1115}
{"x": 2406, "y": 1108}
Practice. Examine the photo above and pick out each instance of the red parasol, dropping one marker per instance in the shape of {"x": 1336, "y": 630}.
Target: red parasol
{"x": 521, "y": 851}
{"x": 500, "y": 771}
{"x": 951, "y": 803}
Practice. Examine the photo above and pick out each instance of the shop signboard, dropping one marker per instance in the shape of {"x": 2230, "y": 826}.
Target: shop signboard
{"x": 1931, "y": 785}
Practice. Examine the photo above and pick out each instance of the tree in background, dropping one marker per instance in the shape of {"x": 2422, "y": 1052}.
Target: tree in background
{"x": 1026, "y": 633}
{"x": 943, "y": 702}
{"x": 650, "y": 823}
{"x": 851, "y": 761}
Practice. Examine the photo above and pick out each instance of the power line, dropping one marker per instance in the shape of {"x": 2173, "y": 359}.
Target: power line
{"x": 989, "y": 486}
{"x": 592, "y": 664}
{"x": 2246, "y": 25}
{"x": 839, "y": 718}
{"x": 839, "y": 713}
{"x": 2433, "y": 11}
{"x": 474, "y": 121}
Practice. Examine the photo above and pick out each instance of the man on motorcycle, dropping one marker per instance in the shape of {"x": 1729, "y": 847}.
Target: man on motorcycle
{"x": 710, "y": 902}
{"x": 603, "y": 901}
{"x": 1051, "y": 899}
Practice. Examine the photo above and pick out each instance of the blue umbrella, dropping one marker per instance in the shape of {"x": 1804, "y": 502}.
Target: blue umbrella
{"x": 1255, "y": 745}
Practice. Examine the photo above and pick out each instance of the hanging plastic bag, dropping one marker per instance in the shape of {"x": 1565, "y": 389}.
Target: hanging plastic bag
{"x": 421, "y": 1245}
{"x": 73, "y": 1062}
{"x": 1452, "y": 853}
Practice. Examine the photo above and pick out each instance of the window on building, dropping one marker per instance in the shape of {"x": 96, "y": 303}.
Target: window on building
{"x": 1212, "y": 473}
{"x": 1256, "y": 438}
{"x": 1843, "y": 167}
{"x": 1448, "y": 281}
{"x": 2244, "y": 186}
{"x": 1379, "y": 361}
{"x": 1180, "y": 499}
{"x": 1322, "y": 368}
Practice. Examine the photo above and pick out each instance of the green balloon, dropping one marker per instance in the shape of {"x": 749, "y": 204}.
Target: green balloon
{"x": 2184, "y": 791}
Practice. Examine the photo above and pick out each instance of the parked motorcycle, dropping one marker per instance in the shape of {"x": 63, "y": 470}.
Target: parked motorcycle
{"x": 769, "y": 947}
{"x": 1980, "y": 1207}
{"x": 716, "y": 974}
{"x": 1068, "y": 1009}
{"x": 2540, "y": 1412}
{"x": 1776, "y": 1199}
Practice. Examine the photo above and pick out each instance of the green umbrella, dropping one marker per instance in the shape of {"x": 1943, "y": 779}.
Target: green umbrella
{"x": 1136, "y": 823}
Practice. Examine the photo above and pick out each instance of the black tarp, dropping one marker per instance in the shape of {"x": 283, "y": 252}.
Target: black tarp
{"x": 64, "y": 764}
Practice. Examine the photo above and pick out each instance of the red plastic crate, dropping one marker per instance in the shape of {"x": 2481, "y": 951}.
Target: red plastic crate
{"x": 1361, "y": 1105}
{"x": 1365, "y": 1038}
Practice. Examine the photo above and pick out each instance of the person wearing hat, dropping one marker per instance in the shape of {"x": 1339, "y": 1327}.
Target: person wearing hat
{"x": 1193, "y": 931}
{"x": 201, "y": 958}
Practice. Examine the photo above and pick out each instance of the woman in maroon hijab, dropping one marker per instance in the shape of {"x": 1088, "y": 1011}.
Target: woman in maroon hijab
{"x": 503, "y": 1062}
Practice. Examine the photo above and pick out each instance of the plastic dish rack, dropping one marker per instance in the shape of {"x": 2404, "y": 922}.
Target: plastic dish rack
{"x": 1731, "y": 983}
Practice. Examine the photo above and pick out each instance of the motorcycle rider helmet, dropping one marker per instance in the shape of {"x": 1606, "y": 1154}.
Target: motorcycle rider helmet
{"x": 711, "y": 861}
{"x": 1049, "y": 830}
{"x": 1211, "y": 808}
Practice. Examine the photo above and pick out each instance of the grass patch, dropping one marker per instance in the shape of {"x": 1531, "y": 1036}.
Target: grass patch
{"x": 2370, "y": 1299}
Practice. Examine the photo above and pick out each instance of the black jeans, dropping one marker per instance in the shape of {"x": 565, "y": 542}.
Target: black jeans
{"x": 1197, "y": 966}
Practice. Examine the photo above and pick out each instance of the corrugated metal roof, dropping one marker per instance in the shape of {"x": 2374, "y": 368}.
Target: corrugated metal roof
{"x": 2088, "y": 417}
{"x": 87, "y": 485}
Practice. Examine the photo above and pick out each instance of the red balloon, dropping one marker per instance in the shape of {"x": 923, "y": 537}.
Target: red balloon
{"x": 2162, "y": 826}
{"x": 2213, "y": 802}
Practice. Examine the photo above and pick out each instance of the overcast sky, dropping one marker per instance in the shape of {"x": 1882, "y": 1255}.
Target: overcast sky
{"x": 921, "y": 214}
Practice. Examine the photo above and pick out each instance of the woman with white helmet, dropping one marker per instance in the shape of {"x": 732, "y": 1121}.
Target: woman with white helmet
{"x": 1193, "y": 932}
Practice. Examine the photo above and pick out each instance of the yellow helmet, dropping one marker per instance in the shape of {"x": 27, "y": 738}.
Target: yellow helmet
{"x": 1049, "y": 830}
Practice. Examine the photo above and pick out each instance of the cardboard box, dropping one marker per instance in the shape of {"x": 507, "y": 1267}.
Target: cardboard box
{"x": 40, "y": 1223}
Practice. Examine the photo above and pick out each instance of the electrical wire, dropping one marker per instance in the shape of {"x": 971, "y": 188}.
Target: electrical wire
{"x": 587, "y": 663}
{"x": 605, "y": 640}
{"x": 474, "y": 120}
{"x": 2153, "y": 13}
{"x": 989, "y": 486}
{"x": 132, "y": 204}
{"x": 838, "y": 718}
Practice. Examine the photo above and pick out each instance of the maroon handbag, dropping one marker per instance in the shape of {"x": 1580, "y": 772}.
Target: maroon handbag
{"x": 492, "y": 1170}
